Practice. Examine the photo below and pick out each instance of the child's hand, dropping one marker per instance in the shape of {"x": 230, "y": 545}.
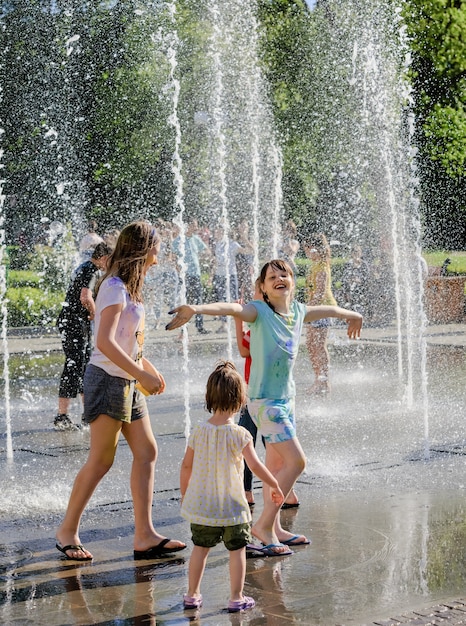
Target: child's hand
{"x": 151, "y": 381}
{"x": 354, "y": 325}
{"x": 277, "y": 496}
{"x": 182, "y": 313}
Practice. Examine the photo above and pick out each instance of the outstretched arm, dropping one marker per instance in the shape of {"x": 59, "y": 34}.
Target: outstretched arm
{"x": 353, "y": 319}
{"x": 183, "y": 313}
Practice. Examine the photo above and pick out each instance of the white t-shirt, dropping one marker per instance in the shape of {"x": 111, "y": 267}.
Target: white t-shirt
{"x": 130, "y": 330}
{"x": 215, "y": 494}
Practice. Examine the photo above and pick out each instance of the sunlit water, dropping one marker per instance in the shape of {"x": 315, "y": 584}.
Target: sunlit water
{"x": 376, "y": 510}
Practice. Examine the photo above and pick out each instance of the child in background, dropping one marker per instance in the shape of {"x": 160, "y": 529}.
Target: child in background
{"x": 211, "y": 484}
{"x": 319, "y": 291}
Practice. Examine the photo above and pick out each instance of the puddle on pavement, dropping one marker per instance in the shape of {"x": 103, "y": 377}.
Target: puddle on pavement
{"x": 387, "y": 523}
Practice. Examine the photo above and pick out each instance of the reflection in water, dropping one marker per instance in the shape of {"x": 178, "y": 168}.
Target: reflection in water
{"x": 264, "y": 576}
{"x": 446, "y": 545}
{"x": 129, "y": 595}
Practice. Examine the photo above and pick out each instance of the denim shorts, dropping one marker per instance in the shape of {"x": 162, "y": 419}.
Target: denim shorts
{"x": 234, "y": 537}
{"x": 112, "y": 396}
{"x": 275, "y": 419}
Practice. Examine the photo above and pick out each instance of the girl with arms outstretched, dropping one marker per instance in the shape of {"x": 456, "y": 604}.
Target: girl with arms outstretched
{"x": 276, "y": 325}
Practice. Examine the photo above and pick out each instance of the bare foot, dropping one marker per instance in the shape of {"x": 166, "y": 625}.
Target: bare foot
{"x": 270, "y": 539}
{"x": 291, "y": 539}
{"x": 292, "y": 499}
{"x": 320, "y": 387}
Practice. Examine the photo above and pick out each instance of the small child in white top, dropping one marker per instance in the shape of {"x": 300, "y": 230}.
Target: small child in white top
{"x": 211, "y": 482}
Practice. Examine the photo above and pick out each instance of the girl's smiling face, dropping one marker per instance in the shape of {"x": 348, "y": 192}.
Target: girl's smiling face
{"x": 278, "y": 283}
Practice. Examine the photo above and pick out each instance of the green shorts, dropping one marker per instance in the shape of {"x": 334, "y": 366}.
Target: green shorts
{"x": 234, "y": 537}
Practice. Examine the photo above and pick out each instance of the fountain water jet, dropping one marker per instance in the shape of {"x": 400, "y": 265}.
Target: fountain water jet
{"x": 179, "y": 196}
{"x": 377, "y": 180}
{"x": 4, "y": 317}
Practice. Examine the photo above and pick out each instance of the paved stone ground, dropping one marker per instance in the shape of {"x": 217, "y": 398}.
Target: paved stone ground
{"x": 448, "y": 613}
{"x": 44, "y": 575}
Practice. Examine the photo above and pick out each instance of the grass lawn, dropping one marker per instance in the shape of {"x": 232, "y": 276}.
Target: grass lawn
{"x": 458, "y": 260}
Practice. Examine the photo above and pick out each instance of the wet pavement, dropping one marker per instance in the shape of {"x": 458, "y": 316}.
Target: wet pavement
{"x": 382, "y": 498}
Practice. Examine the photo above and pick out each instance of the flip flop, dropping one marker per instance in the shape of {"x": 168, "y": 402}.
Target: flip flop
{"x": 64, "y": 549}
{"x": 268, "y": 550}
{"x": 156, "y": 552}
{"x": 290, "y": 505}
{"x": 292, "y": 541}
{"x": 236, "y": 606}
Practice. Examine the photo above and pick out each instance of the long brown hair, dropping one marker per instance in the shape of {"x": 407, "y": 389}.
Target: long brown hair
{"x": 129, "y": 257}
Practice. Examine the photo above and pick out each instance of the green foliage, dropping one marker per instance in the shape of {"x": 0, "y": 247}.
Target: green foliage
{"x": 54, "y": 264}
{"x": 445, "y": 132}
{"x": 24, "y": 278}
{"x": 29, "y": 306}
{"x": 17, "y": 257}
{"x": 437, "y": 257}
{"x": 436, "y": 29}
{"x": 444, "y": 543}
{"x": 288, "y": 42}
{"x": 91, "y": 116}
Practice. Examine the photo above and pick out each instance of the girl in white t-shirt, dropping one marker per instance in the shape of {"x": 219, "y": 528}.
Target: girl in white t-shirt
{"x": 211, "y": 484}
{"x": 113, "y": 404}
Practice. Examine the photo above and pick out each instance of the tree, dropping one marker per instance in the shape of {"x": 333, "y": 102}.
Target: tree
{"x": 436, "y": 29}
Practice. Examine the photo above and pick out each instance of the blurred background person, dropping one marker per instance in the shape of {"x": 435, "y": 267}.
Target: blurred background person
{"x": 194, "y": 248}
{"x": 289, "y": 246}
{"x": 74, "y": 324}
{"x": 225, "y": 270}
{"x": 355, "y": 281}
{"x": 89, "y": 241}
{"x": 319, "y": 291}
{"x": 162, "y": 280}
{"x": 245, "y": 262}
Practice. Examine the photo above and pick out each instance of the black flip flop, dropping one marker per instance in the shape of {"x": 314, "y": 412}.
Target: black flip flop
{"x": 156, "y": 552}
{"x": 291, "y": 505}
{"x": 63, "y": 549}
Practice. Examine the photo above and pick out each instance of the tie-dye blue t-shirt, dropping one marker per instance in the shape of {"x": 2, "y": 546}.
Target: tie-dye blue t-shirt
{"x": 274, "y": 347}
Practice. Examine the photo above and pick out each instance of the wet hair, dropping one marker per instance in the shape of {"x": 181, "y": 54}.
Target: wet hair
{"x": 101, "y": 249}
{"x": 225, "y": 389}
{"x": 277, "y": 264}
{"x": 128, "y": 259}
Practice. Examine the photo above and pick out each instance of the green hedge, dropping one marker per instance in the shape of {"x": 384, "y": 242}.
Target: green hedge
{"x": 24, "y": 278}
{"x": 31, "y": 306}
{"x": 18, "y": 258}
